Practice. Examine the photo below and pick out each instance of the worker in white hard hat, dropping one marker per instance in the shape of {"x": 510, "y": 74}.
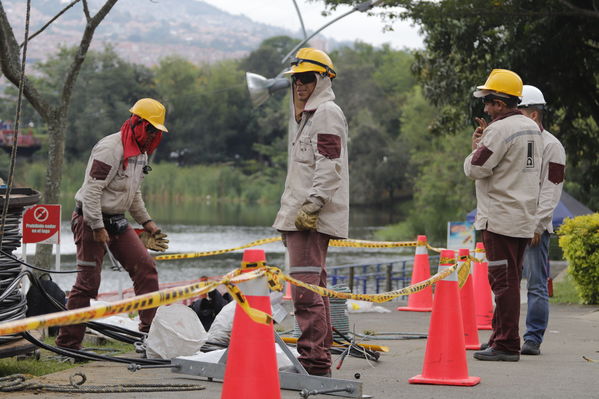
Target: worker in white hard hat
{"x": 536, "y": 257}
{"x": 315, "y": 203}
{"x": 506, "y": 164}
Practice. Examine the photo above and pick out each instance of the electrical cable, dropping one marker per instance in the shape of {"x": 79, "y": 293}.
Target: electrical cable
{"x": 13, "y": 304}
{"x": 22, "y": 262}
{"x": 84, "y": 355}
{"x": 116, "y": 332}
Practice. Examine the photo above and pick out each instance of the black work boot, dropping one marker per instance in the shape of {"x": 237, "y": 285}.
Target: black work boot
{"x": 495, "y": 355}
{"x": 531, "y": 348}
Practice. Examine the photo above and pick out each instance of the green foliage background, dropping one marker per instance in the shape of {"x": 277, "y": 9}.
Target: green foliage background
{"x": 410, "y": 112}
{"x": 579, "y": 240}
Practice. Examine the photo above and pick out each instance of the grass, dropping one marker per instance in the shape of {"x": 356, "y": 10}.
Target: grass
{"x": 49, "y": 362}
{"x": 565, "y": 292}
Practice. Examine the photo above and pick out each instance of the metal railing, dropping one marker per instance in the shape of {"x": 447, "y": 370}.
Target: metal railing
{"x": 376, "y": 277}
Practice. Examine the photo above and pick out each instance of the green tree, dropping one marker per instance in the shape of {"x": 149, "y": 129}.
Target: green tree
{"x": 552, "y": 44}
{"x": 266, "y": 59}
{"x": 107, "y": 88}
{"x": 53, "y": 112}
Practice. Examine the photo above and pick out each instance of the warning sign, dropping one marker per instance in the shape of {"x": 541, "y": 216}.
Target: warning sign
{"x": 41, "y": 225}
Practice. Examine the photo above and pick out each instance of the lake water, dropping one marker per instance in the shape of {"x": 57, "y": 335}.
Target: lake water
{"x": 207, "y": 227}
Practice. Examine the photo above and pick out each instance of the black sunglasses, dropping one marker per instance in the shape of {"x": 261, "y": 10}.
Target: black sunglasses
{"x": 304, "y": 77}
{"x": 152, "y": 129}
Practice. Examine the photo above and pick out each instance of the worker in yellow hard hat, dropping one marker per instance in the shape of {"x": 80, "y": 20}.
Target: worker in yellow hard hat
{"x": 315, "y": 203}
{"x": 505, "y": 164}
{"x": 111, "y": 187}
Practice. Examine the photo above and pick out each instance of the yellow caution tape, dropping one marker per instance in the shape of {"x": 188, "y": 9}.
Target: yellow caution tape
{"x": 334, "y": 243}
{"x": 146, "y": 301}
{"x": 433, "y": 248}
{"x": 217, "y": 252}
{"x": 464, "y": 271}
{"x": 371, "y": 244}
{"x": 274, "y": 278}
{"x": 276, "y": 274}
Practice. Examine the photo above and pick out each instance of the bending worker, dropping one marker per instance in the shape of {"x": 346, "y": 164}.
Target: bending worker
{"x": 315, "y": 203}
{"x": 111, "y": 187}
{"x": 536, "y": 257}
{"x": 506, "y": 164}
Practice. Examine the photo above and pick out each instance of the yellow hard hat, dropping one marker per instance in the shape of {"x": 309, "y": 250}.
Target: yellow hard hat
{"x": 310, "y": 59}
{"x": 152, "y": 111}
{"x": 501, "y": 81}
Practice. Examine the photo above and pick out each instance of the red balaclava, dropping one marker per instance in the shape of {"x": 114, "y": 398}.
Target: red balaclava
{"x": 134, "y": 136}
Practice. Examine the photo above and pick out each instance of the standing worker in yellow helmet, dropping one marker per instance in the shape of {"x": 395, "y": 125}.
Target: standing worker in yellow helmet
{"x": 315, "y": 203}
{"x": 506, "y": 164}
{"x": 111, "y": 187}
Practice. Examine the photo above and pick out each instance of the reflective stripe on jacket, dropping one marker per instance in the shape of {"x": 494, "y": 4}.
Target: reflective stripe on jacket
{"x": 107, "y": 188}
{"x": 317, "y": 164}
{"x": 506, "y": 166}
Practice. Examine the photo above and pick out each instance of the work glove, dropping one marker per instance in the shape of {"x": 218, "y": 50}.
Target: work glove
{"x": 307, "y": 216}
{"x": 155, "y": 241}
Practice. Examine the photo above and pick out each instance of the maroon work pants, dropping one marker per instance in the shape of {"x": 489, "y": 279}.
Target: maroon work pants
{"x": 307, "y": 261}
{"x": 128, "y": 249}
{"x": 505, "y": 255}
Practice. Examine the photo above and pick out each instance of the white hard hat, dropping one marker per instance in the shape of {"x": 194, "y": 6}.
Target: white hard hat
{"x": 531, "y": 96}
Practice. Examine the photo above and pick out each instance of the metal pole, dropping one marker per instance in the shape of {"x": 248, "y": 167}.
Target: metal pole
{"x": 299, "y": 15}
{"x": 389, "y": 285}
{"x": 367, "y": 5}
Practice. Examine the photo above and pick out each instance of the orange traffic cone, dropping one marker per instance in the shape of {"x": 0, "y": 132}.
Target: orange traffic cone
{"x": 483, "y": 302}
{"x": 445, "y": 357}
{"x": 467, "y": 301}
{"x": 251, "y": 370}
{"x": 421, "y": 301}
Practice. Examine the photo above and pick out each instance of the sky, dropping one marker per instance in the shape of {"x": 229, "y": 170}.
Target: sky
{"x": 352, "y": 27}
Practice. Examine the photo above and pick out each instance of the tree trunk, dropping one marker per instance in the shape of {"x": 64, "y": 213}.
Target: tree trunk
{"x": 56, "y": 144}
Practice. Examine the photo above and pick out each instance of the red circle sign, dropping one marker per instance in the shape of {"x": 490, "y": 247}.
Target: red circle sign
{"x": 41, "y": 224}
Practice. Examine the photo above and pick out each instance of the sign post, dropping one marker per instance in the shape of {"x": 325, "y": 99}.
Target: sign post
{"x": 41, "y": 225}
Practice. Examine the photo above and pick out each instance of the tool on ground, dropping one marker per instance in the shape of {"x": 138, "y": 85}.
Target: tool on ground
{"x": 305, "y": 393}
{"x": 361, "y": 350}
{"x": 133, "y": 367}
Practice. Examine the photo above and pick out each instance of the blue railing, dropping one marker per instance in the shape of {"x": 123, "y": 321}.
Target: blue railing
{"x": 376, "y": 277}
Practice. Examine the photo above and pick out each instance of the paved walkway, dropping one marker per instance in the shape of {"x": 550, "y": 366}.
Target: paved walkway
{"x": 560, "y": 372}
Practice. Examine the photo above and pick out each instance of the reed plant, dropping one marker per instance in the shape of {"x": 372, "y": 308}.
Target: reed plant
{"x": 173, "y": 183}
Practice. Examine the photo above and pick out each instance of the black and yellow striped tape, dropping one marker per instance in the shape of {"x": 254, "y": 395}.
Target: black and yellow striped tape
{"x": 334, "y": 243}
{"x": 274, "y": 277}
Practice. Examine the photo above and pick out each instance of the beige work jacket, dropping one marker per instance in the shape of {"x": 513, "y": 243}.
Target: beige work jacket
{"x": 317, "y": 164}
{"x": 109, "y": 189}
{"x": 506, "y": 167}
{"x": 552, "y": 181}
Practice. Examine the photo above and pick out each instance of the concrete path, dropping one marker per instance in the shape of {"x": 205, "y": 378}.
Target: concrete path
{"x": 560, "y": 372}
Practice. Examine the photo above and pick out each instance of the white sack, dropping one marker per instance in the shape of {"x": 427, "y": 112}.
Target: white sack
{"x": 175, "y": 331}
